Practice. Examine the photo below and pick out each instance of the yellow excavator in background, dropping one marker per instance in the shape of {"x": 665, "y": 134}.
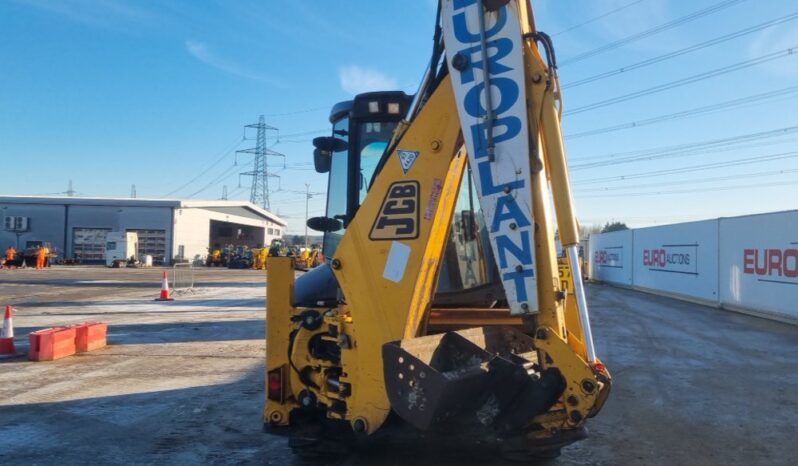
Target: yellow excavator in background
{"x": 439, "y": 311}
{"x": 307, "y": 258}
{"x": 260, "y": 257}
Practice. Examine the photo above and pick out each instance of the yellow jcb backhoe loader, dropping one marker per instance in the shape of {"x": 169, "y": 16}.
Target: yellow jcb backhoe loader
{"x": 439, "y": 310}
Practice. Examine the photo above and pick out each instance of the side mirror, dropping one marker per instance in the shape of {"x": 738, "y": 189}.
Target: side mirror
{"x": 322, "y": 160}
{"x": 322, "y": 155}
{"x": 325, "y": 224}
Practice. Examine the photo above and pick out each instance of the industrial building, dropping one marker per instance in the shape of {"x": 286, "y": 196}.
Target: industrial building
{"x": 168, "y": 229}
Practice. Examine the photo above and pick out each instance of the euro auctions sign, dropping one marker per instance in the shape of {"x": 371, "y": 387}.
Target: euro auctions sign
{"x": 609, "y": 257}
{"x": 504, "y": 183}
{"x": 774, "y": 265}
{"x": 675, "y": 258}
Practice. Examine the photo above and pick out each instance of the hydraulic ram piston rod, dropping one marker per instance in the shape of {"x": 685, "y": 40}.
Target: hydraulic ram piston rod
{"x": 581, "y": 303}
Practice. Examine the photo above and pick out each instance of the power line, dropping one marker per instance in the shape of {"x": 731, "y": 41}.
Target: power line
{"x": 730, "y": 146}
{"x": 594, "y": 19}
{"x": 683, "y": 114}
{"x": 294, "y": 191}
{"x": 692, "y": 181}
{"x": 693, "y": 145}
{"x": 690, "y": 168}
{"x": 295, "y": 141}
{"x": 306, "y": 133}
{"x": 686, "y": 191}
{"x": 677, "y": 53}
{"x": 650, "y": 32}
{"x": 215, "y": 181}
{"x": 216, "y": 162}
{"x": 684, "y": 81}
{"x": 292, "y": 200}
{"x": 684, "y": 149}
{"x": 236, "y": 191}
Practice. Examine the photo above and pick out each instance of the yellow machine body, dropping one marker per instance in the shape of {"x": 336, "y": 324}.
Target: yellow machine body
{"x": 331, "y": 358}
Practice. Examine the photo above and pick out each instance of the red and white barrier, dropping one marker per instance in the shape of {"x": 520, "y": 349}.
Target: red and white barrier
{"x": 51, "y": 344}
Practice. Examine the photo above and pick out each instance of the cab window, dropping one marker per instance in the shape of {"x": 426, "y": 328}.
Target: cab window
{"x": 374, "y": 138}
{"x": 338, "y": 188}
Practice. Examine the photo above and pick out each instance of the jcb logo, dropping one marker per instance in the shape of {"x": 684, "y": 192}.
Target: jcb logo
{"x": 398, "y": 217}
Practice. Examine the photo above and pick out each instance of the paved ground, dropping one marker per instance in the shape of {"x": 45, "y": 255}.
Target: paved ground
{"x": 181, "y": 383}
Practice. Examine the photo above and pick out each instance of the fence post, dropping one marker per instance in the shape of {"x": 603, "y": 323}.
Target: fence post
{"x": 183, "y": 277}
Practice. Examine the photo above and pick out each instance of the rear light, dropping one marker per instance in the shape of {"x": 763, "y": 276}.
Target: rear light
{"x": 275, "y": 385}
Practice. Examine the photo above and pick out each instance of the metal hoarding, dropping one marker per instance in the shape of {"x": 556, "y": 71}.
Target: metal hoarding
{"x": 679, "y": 259}
{"x": 759, "y": 263}
{"x": 611, "y": 257}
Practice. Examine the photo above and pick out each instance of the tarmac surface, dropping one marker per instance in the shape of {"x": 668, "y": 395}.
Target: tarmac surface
{"x": 182, "y": 382}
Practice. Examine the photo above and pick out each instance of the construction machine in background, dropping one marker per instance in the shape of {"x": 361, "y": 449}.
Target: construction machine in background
{"x": 277, "y": 248}
{"x": 216, "y": 257}
{"x": 240, "y": 257}
{"x": 260, "y": 258}
{"x": 307, "y": 258}
{"x": 439, "y": 312}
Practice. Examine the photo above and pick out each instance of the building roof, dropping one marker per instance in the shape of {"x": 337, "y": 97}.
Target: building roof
{"x": 139, "y": 202}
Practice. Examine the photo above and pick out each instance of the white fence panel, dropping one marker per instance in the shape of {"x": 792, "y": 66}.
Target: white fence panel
{"x": 611, "y": 257}
{"x": 759, "y": 263}
{"x": 678, "y": 259}
{"x": 183, "y": 277}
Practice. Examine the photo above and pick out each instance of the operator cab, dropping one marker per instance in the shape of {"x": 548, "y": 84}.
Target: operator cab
{"x": 362, "y": 130}
{"x": 352, "y": 155}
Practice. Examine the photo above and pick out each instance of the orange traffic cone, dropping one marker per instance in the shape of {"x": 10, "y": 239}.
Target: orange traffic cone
{"x": 7, "y": 334}
{"x": 164, "y": 290}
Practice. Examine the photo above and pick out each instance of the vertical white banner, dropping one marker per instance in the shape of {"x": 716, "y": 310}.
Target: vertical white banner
{"x": 504, "y": 183}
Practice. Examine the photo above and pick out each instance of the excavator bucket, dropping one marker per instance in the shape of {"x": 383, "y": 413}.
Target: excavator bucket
{"x": 485, "y": 378}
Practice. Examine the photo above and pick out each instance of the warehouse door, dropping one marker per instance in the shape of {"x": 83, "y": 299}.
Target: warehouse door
{"x": 225, "y": 234}
{"x": 88, "y": 244}
{"x": 152, "y": 243}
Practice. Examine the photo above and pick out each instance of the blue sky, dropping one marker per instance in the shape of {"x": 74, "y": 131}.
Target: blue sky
{"x": 113, "y": 93}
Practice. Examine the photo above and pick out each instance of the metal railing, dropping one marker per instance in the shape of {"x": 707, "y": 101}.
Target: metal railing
{"x": 183, "y": 277}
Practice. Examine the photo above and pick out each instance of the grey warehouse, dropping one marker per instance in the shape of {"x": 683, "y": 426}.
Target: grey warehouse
{"x": 168, "y": 229}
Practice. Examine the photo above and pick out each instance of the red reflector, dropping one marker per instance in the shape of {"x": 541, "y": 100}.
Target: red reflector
{"x": 599, "y": 367}
{"x": 275, "y": 384}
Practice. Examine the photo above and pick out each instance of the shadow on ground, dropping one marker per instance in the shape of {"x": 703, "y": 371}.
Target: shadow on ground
{"x": 209, "y": 424}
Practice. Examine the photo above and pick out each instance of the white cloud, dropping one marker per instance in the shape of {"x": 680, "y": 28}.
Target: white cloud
{"x": 357, "y": 79}
{"x": 201, "y": 52}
